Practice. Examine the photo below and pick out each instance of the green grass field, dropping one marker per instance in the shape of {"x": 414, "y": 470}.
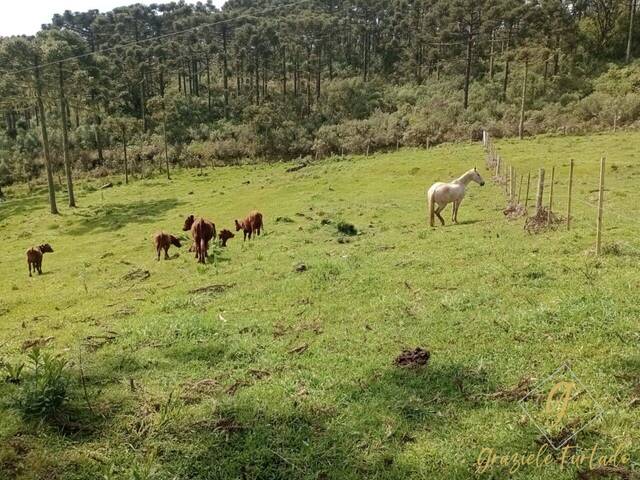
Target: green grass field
{"x": 275, "y": 373}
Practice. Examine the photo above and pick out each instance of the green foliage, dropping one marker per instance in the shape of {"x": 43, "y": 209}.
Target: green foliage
{"x": 13, "y": 372}
{"x": 43, "y": 392}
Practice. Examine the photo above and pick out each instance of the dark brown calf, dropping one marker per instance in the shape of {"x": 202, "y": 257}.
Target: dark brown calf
{"x": 202, "y": 232}
{"x": 34, "y": 257}
{"x": 163, "y": 241}
{"x": 250, "y": 225}
{"x": 224, "y": 236}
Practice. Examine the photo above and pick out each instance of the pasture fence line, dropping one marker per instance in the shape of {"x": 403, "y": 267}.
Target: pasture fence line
{"x": 505, "y": 175}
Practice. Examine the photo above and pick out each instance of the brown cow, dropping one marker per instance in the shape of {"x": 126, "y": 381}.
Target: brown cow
{"x": 224, "y": 236}
{"x": 202, "y": 232}
{"x": 250, "y": 225}
{"x": 34, "y": 257}
{"x": 163, "y": 241}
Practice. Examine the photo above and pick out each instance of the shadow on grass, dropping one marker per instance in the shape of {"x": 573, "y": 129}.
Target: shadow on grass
{"x": 116, "y": 216}
{"x": 22, "y": 205}
{"x": 361, "y": 433}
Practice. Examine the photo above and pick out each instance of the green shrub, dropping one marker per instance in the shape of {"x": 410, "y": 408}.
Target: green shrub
{"x": 43, "y": 391}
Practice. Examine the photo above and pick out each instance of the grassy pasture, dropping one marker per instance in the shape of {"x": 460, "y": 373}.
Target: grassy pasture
{"x": 269, "y": 372}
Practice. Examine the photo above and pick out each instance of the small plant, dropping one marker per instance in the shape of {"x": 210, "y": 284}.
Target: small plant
{"x": 347, "y": 228}
{"x": 44, "y": 388}
{"x": 13, "y": 373}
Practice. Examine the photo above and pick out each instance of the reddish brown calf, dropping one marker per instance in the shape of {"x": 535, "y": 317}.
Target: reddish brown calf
{"x": 224, "y": 236}
{"x": 163, "y": 241}
{"x": 202, "y": 232}
{"x": 34, "y": 257}
{"x": 250, "y": 225}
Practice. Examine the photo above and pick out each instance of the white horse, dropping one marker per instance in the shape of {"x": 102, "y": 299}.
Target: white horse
{"x": 443, "y": 194}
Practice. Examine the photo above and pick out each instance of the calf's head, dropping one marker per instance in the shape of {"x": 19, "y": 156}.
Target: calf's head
{"x": 238, "y": 226}
{"x": 175, "y": 241}
{"x": 224, "y": 236}
{"x": 45, "y": 248}
{"x": 188, "y": 223}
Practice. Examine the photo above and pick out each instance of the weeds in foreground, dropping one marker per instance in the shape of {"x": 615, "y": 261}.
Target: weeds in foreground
{"x": 43, "y": 390}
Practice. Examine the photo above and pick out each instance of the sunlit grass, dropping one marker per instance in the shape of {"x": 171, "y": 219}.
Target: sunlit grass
{"x": 279, "y": 373}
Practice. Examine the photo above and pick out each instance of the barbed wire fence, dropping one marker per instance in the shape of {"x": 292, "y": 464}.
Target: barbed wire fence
{"x": 525, "y": 191}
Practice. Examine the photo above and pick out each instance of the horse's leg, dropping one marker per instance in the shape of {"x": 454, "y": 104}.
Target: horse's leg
{"x": 437, "y": 212}
{"x": 454, "y": 217}
{"x": 458, "y": 208}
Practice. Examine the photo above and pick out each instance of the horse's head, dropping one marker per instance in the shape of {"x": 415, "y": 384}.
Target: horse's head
{"x": 476, "y": 177}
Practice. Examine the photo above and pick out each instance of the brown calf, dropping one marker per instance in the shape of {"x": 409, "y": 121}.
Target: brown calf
{"x": 163, "y": 241}
{"x": 34, "y": 257}
{"x": 250, "y": 225}
{"x": 224, "y": 236}
{"x": 202, "y": 232}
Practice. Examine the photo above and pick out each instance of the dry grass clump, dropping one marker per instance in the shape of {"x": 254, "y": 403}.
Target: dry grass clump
{"x": 514, "y": 211}
{"x": 542, "y": 221}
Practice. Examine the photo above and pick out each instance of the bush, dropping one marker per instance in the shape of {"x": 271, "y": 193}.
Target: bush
{"x": 43, "y": 391}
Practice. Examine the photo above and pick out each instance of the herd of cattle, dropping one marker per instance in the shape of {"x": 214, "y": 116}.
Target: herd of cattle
{"x": 202, "y": 232}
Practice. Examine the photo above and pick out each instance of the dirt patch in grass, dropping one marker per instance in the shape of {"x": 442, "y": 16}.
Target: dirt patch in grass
{"x": 35, "y": 343}
{"x": 212, "y": 289}
{"x": 137, "y": 274}
{"x": 608, "y": 472}
{"x": 516, "y": 393}
{"x": 347, "y": 228}
{"x": 194, "y": 392}
{"x": 417, "y": 357}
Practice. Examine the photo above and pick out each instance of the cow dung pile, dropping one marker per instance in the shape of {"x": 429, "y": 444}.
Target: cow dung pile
{"x": 412, "y": 358}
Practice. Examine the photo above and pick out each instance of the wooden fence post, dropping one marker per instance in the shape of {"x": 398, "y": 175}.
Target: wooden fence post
{"x": 540, "y": 191}
{"x": 526, "y": 198}
{"x": 498, "y": 166}
{"x": 600, "y": 208}
{"x": 570, "y": 193}
{"x": 553, "y": 176}
{"x": 520, "y": 188}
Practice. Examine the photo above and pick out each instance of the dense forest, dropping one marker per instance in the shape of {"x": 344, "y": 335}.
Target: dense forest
{"x": 141, "y": 89}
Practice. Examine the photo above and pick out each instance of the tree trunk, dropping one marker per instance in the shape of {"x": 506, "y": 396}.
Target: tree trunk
{"x": 524, "y": 96}
{"x": 164, "y": 135}
{"x": 491, "y": 55}
{"x": 284, "y": 72}
{"x": 467, "y": 72}
{"x": 556, "y": 57}
{"x": 505, "y": 80}
{"x": 208, "y": 87}
{"x": 126, "y": 162}
{"x": 98, "y": 137}
{"x": 45, "y": 142}
{"x": 318, "y": 71}
{"x": 632, "y": 11}
{"x": 308, "y": 80}
{"x": 225, "y": 72}
{"x": 143, "y": 109}
{"x": 365, "y": 66}
{"x": 65, "y": 138}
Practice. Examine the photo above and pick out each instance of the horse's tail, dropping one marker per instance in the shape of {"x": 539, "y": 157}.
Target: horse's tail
{"x": 431, "y": 206}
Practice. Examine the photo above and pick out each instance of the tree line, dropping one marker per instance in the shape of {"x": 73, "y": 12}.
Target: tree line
{"x": 148, "y": 86}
